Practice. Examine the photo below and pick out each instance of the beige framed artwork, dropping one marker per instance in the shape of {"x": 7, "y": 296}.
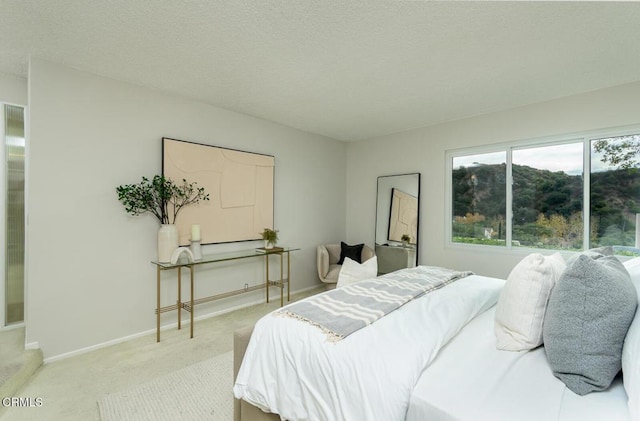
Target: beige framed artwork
{"x": 240, "y": 185}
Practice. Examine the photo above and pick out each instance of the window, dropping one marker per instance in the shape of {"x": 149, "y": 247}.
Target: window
{"x": 615, "y": 192}
{"x": 478, "y": 183}
{"x": 548, "y": 196}
{"x": 565, "y": 194}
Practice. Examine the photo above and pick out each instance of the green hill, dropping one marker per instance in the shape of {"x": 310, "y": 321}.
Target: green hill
{"x": 547, "y": 205}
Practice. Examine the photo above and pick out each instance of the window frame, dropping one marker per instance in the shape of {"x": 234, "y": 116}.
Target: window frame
{"x": 586, "y": 137}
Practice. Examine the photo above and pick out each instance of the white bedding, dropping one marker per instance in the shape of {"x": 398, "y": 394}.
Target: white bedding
{"x": 472, "y": 380}
{"x": 291, "y": 369}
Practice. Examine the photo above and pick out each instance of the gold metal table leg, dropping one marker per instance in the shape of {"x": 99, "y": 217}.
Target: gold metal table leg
{"x": 191, "y": 301}
{"x": 288, "y": 276}
{"x": 179, "y": 298}
{"x": 266, "y": 256}
{"x": 281, "y": 281}
{"x": 158, "y": 306}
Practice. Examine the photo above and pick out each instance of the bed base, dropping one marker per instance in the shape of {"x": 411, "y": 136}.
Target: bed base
{"x": 244, "y": 411}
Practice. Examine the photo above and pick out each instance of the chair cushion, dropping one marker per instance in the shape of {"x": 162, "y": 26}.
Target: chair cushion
{"x": 332, "y": 275}
{"x": 352, "y": 252}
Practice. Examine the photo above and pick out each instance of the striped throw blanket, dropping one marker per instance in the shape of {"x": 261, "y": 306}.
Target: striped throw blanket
{"x": 343, "y": 311}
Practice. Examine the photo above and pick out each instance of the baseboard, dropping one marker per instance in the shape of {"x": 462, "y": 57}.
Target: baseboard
{"x": 31, "y": 345}
{"x": 12, "y": 326}
{"x": 172, "y": 325}
{"x": 300, "y": 291}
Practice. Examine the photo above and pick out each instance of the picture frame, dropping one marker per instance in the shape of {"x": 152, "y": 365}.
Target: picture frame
{"x": 240, "y": 185}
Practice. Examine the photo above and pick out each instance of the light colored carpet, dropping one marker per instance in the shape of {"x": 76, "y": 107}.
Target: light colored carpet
{"x": 202, "y": 391}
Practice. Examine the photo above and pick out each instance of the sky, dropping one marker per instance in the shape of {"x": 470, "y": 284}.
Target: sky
{"x": 566, "y": 157}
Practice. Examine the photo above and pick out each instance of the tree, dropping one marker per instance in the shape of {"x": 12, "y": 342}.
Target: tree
{"x": 622, "y": 152}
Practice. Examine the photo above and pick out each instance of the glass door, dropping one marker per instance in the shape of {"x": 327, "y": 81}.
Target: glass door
{"x": 14, "y": 153}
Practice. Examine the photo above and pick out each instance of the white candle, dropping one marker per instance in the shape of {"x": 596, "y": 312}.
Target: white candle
{"x": 195, "y": 232}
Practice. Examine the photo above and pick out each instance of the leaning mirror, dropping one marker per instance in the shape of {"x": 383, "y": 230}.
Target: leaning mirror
{"x": 397, "y": 221}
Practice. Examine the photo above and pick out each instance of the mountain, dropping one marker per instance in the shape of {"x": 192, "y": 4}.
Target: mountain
{"x": 542, "y": 195}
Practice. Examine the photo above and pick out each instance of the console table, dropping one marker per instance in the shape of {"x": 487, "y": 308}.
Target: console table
{"x": 392, "y": 258}
{"x": 217, "y": 258}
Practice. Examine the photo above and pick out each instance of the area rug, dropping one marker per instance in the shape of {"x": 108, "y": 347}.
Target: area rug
{"x": 201, "y": 391}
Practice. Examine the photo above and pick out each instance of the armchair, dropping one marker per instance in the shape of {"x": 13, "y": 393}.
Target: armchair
{"x": 328, "y": 268}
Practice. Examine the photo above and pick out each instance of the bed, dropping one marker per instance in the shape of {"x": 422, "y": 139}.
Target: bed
{"x": 434, "y": 358}
{"x": 501, "y": 385}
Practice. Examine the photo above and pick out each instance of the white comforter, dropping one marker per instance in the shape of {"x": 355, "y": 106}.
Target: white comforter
{"x": 503, "y": 385}
{"x": 292, "y": 370}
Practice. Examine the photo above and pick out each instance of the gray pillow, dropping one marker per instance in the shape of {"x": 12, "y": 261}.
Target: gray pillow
{"x": 587, "y": 318}
{"x": 594, "y": 253}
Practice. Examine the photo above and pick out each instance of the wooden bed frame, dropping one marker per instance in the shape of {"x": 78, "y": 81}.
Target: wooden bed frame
{"x": 243, "y": 411}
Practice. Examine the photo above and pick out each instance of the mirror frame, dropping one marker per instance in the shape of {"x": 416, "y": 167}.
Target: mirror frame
{"x": 385, "y": 186}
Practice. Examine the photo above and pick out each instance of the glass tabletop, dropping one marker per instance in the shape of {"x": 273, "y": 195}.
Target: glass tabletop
{"x": 221, "y": 257}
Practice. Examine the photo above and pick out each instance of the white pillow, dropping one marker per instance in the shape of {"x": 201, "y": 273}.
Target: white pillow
{"x": 631, "y": 348}
{"x": 523, "y": 301}
{"x": 353, "y": 271}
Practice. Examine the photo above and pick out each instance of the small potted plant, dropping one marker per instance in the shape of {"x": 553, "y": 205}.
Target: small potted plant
{"x": 405, "y": 240}
{"x": 270, "y": 238}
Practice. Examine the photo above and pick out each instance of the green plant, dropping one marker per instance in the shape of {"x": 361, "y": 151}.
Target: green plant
{"x": 405, "y": 237}
{"x": 270, "y": 235}
{"x": 160, "y": 196}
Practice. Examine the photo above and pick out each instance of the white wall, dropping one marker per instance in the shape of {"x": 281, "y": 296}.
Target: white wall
{"x": 423, "y": 150}
{"x": 13, "y": 89}
{"x": 90, "y": 279}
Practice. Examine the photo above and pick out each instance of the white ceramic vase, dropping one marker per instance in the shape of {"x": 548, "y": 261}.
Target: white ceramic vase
{"x": 167, "y": 242}
{"x": 267, "y": 244}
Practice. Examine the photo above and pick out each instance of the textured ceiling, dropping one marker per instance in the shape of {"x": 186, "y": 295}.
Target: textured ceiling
{"x": 350, "y": 70}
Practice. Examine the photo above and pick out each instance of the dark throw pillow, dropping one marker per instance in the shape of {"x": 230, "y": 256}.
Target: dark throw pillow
{"x": 352, "y": 252}
{"x": 588, "y": 315}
